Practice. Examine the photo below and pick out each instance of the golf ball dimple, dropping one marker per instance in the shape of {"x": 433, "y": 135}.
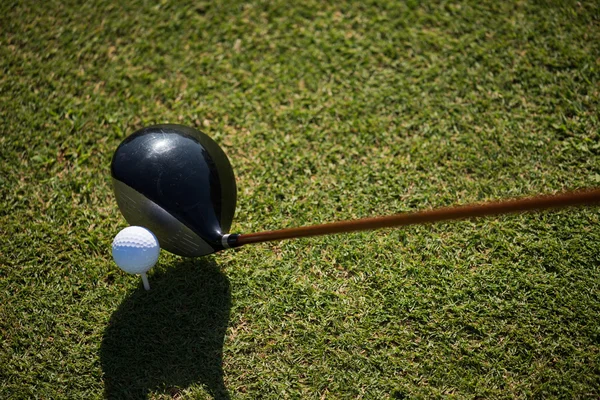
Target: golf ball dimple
{"x": 135, "y": 249}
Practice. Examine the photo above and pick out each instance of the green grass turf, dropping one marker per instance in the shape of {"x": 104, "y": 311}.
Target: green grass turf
{"x": 328, "y": 112}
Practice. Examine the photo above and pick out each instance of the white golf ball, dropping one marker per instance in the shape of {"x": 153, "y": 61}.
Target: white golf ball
{"x": 135, "y": 249}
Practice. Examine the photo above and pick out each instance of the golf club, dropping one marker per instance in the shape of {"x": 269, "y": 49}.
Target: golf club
{"x": 177, "y": 182}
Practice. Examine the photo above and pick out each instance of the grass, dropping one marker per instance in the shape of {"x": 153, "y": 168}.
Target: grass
{"x": 327, "y": 112}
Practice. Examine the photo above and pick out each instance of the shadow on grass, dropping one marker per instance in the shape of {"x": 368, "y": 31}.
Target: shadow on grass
{"x": 170, "y": 337}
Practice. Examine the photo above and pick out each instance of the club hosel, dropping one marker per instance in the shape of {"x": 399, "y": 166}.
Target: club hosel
{"x": 230, "y": 240}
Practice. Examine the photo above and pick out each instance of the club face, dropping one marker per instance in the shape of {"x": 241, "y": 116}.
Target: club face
{"x": 177, "y": 182}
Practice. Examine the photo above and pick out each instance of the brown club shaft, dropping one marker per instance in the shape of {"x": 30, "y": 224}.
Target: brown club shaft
{"x": 581, "y": 198}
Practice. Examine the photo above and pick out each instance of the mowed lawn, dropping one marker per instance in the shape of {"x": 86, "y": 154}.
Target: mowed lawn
{"x": 328, "y": 111}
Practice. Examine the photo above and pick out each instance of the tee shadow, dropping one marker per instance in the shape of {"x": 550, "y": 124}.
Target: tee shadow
{"x": 170, "y": 337}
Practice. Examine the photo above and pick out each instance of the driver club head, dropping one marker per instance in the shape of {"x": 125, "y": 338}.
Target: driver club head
{"x": 177, "y": 182}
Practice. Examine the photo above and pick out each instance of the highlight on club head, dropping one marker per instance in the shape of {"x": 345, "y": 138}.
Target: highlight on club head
{"x": 177, "y": 182}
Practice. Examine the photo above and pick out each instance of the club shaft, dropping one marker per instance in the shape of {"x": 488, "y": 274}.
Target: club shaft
{"x": 539, "y": 203}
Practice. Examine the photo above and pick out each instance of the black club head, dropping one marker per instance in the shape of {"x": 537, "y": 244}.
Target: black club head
{"x": 177, "y": 182}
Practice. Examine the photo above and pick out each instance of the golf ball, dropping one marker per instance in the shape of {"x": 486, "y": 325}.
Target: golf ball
{"x": 135, "y": 249}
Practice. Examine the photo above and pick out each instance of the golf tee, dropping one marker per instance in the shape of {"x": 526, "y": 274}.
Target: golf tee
{"x": 145, "y": 281}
